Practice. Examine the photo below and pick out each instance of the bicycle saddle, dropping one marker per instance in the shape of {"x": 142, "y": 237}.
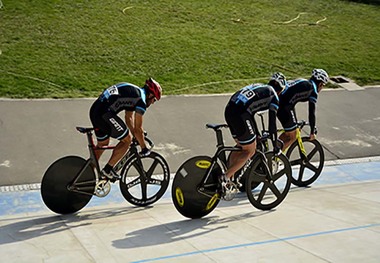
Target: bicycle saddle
{"x": 84, "y": 130}
{"x": 216, "y": 126}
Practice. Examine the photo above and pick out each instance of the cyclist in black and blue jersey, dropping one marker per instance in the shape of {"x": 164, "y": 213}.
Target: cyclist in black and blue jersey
{"x": 104, "y": 117}
{"x": 239, "y": 115}
{"x": 300, "y": 90}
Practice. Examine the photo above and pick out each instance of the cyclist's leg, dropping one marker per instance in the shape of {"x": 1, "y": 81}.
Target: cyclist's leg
{"x": 102, "y": 130}
{"x": 239, "y": 158}
{"x": 242, "y": 127}
{"x": 119, "y": 131}
{"x": 288, "y": 119}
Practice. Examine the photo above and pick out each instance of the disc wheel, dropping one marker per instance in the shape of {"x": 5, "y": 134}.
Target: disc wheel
{"x": 191, "y": 197}
{"x": 263, "y": 193}
{"x": 56, "y": 180}
{"x": 144, "y": 180}
{"x": 306, "y": 170}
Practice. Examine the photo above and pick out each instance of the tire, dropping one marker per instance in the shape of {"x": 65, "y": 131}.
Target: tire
{"x": 138, "y": 191}
{"x": 306, "y": 172}
{"x": 54, "y": 186}
{"x": 263, "y": 194}
{"x": 188, "y": 198}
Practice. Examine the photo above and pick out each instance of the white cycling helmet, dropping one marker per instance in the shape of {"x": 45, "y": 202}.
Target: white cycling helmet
{"x": 320, "y": 75}
{"x": 280, "y": 79}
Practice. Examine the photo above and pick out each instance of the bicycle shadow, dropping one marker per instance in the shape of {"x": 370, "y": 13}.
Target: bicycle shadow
{"x": 37, "y": 227}
{"x": 184, "y": 229}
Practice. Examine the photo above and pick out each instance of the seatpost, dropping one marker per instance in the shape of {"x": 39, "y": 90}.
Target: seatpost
{"x": 220, "y": 145}
{"x": 90, "y": 140}
{"x": 219, "y": 138}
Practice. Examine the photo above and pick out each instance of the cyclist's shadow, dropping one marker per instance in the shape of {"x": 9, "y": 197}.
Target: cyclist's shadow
{"x": 179, "y": 230}
{"x": 36, "y": 227}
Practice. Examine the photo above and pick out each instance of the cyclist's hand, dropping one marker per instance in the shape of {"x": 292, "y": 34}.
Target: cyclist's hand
{"x": 144, "y": 152}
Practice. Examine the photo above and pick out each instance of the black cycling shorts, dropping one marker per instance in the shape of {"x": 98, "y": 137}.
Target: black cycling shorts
{"x": 287, "y": 117}
{"x": 107, "y": 124}
{"x": 241, "y": 123}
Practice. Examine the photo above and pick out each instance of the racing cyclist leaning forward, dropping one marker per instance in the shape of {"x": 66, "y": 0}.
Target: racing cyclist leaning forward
{"x": 300, "y": 90}
{"x": 104, "y": 117}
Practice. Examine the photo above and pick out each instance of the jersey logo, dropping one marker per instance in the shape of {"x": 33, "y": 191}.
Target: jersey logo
{"x": 110, "y": 91}
{"x": 246, "y": 94}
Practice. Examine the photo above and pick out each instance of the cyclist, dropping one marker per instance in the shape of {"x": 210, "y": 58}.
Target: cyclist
{"x": 300, "y": 90}
{"x": 239, "y": 115}
{"x": 104, "y": 117}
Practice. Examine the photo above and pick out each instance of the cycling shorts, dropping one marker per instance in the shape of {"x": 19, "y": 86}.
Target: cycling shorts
{"x": 107, "y": 123}
{"x": 287, "y": 117}
{"x": 241, "y": 123}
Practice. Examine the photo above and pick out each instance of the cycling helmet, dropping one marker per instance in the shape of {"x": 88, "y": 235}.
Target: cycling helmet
{"x": 278, "y": 81}
{"x": 154, "y": 88}
{"x": 320, "y": 75}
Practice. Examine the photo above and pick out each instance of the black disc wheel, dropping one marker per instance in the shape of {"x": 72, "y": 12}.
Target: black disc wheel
{"x": 306, "y": 169}
{"x": 195, "y": 196}
{"x": 144, "y": 180}
{"x": 57, "y": 191}
{"x": 267, "y": 189}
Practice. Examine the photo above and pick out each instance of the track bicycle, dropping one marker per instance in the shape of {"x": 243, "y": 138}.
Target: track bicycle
{"x": 70, "y": 182}
{"x": 305, "y": 156}
{"x": 196, "y": 189}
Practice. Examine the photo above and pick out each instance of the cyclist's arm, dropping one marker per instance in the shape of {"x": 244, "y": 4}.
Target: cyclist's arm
{"x": 312, "y": 118}
{"x": 272, "y": 126}
{"x": 129, "y": 120}
{"x": 139, "y": 131}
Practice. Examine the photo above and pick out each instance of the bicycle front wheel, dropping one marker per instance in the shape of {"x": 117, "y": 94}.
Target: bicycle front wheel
{"x": 57, "y": 180}
{"x": 144, "y": 180}
{"x": 306, "y": 170}
{"x": 263, "y": 193}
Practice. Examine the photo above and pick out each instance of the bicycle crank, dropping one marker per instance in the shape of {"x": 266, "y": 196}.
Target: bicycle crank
{"x": 102, "y": 188}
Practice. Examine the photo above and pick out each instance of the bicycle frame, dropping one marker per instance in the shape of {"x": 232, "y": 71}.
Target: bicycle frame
{"x": 220, "y": 155}
{"x": 93, "y": 162}
{"x": 300, "y": 125}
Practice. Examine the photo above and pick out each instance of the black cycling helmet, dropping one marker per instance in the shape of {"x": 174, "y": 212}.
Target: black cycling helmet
{"x": 277, "y": 81}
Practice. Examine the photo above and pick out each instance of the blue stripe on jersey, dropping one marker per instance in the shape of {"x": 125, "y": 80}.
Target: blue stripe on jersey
{"x": 274, "y": 105}
{"x": 316, "y": 91}
{"x": 121, "y": 136}
{"x": 141, "y": 109}
{"x": 143, "y": 95}
{"x": 251, "y": 140}
{"x": 291, "y": 84}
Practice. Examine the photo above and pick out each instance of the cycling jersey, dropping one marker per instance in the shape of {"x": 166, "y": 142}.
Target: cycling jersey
{"x": 256, "y": 97}
{"x": 300, "y": 90}
{"x": 119, "y": 97}
{"x": 124, "y": 96}
{"x": 242, "y": 106}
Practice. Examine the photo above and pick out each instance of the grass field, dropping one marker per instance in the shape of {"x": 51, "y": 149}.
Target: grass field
{"x": 57, "y": 48}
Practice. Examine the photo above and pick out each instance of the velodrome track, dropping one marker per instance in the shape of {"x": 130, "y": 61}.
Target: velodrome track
{"x": 336, "y": 220}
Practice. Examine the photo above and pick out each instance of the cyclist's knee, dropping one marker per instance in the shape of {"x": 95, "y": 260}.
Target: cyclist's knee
{"x": 103, "y": 143}
{"x": 288, "y": 136}
{"x": 127, "y": 139}
{"x": 249, "y": 149}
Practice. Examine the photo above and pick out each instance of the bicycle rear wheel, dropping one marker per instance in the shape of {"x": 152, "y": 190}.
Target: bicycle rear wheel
{"x": 262, "y": 193}
{"x": 56, "y": 180}
{"x": 305, "y": 172}
{"x": 144, "y": 180}
{"x": 191, "y": 197}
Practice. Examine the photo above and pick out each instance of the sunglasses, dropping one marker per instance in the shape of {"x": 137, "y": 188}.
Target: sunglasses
{"x": 153, "y": 97}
